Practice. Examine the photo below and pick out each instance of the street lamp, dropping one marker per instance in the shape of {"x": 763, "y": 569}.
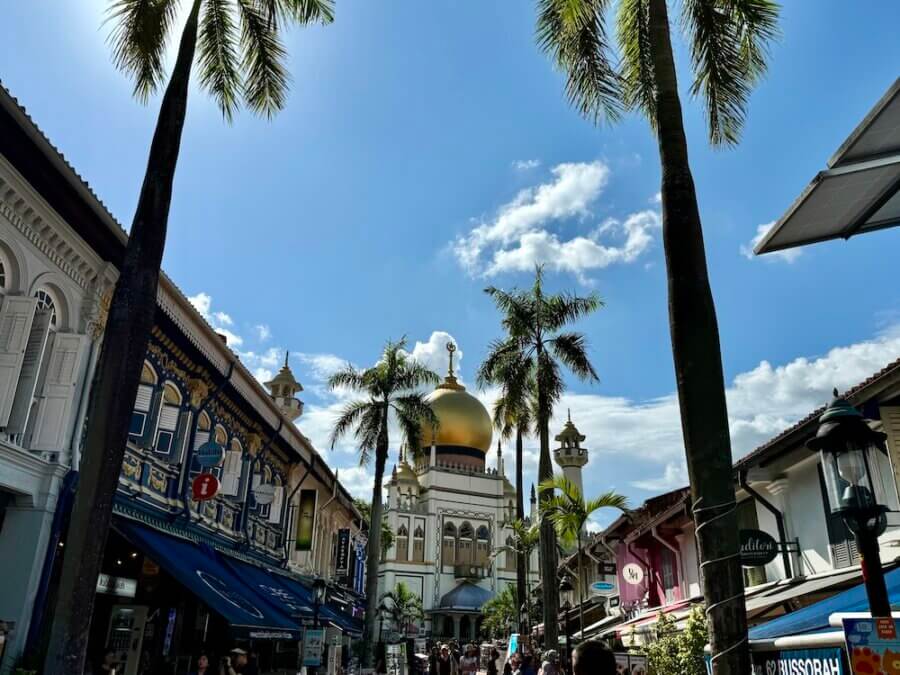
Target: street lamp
{"x": 565, "y": 586}
{"x": 848, "y": 448}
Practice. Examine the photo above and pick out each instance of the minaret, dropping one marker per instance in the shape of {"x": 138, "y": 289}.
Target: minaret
{"x": 499, "y": 459}
{"x": 282, "y": 388}
{"x": 570, "y": 455}
{"x": 533, "y": 511}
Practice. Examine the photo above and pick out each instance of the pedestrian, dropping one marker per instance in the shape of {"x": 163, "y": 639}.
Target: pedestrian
{"x": 514, "y": 664}
{"x": 594, "y": 658}
{"x": 550, "y": 666}
{"x": 203, "y": 667}
{"x": 446, "y": 664}
{"x": 529, "y": 665}
{"x": 468, "y": 664}
{"x": 492, "y": 662}
{"x": 234, "y": 663}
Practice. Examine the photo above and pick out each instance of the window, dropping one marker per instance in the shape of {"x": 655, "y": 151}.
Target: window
{"x": 464, "y": 545}
{"x": 202, "y": 435}
{"x": 167, "y": 426}
{"x": 419, "y": 544}
{"x": 402, "y": 548}
{"x": 2, "y": 275}
{"x": 482, "y": 546}
{"x": 668, "y": 573}
{"x": 510, "y": 555}
{"x": 263, "y": 478}
{"x": 232, "y": 468}
{"x": 143, "y": 402}
{"x": 448, "y": 549}
{"x": 45, "y": 302}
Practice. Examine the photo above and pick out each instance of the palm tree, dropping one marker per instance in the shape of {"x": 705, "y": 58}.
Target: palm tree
{"x": 518, "y": 421}
{"x": 500, "y": 611}
{"x": 240, "y": 59}
{"x": 402, "y": 606}
{"x": 525, "y": 537}
{"x": 534, "y": 348}
{"x": 728, "y": 41}
{"x": 569, "y": 513}
{"x": 387, "y": 534}
{"x": 390, "y": 386}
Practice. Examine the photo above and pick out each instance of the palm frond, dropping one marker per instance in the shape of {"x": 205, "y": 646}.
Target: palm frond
{"x": 412, "y": 413}
{"x": 571, "y": 349}
{"x": 347, "y": 377}
{"x": 310, "y": 11}
{"x": 607, "y": 500}
{"x": 559, "y": 310}
{"x": 266, "y": 80}
{"x": 414, "y": 375}
{"x": 573, "y": 33}
{"x": 217, "y": 44}
{"x": 347, "y": 419}
{"x": 638, "y": 79}
{"x": 139, "y": 39}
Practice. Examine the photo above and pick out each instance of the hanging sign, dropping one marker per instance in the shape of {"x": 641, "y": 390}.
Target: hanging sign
{"x": 306, "y": 519}
{"x": 313, "y": 646}
{"x": 633, "y": 574}
{"x": 758, "y": 548}
{"x": 343, "y": 553}
{"x": 264, "y": 493}
{"x": 603, "y": 588}
{"x": 205, "y": 486}
{"x": 209, "y": 454}
{"x": 120, "y": 586}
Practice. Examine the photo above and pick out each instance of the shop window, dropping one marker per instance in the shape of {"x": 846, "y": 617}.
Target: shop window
{"x": 143, "y": 402}
{"x": 482, "y": 546}
{"x": 402, "y": 546}
{"x": 448, "y": 549}
{"x": 419, "y": 544}
{"x": 167, "y": 424}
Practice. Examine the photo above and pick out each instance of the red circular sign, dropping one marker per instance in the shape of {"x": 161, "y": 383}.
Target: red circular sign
{"x": 205, "y": 486}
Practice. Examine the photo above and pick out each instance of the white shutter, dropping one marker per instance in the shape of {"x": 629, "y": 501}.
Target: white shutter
{"x": 16, "y": 316}
{"x": 231, "y": 476}
{"x": 890, "y": 423}
{"x": 144, "y": 398}
{"x": 58, "y": 392}
{"x": 35, "y": 352}
{"x": 200, "y": 438}
{"x": 168, "y": 418}
{"x": 275, "y": 510}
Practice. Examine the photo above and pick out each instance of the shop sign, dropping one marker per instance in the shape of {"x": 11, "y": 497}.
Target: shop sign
{"x": 872, "y": 645}
{"x": 633, "y": 574}
{"x": 636, "y": 664}
{"x": 306, "y": 520}
{"x": 205, "y": 486}
{"x": 606, "y": 568}
{"x": 149, "y": 568}
{"x": 209, "y": 454}
{"x": 119, "y": 586}
{"x": 758, "y": 548}
{"x": 313, "y": 645}
{"x": 603, "y": 588}
{"x": 825, "y": 661}
{"x": 343, "y": 553}
{"x": 270, "y": 635}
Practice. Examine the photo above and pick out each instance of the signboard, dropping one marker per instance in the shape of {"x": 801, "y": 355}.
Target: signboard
{"x": 205, "y": 486}
{"x": 306, "y": 520}
{"x": 824, "y": 661}
{"x": 606, "y": 568}
{"x": 872, "y": 645}
{"x": 603, "y": 588}
{"x": 614, "y": 601}
{"x": 209, "y": 454}
{"x": 513, "y": 646}
{"x": 313, "y": 646}
{"x": 633, "y": 574}
{"x": 343, "y": 552}
{"x": 758, "y": 548}
{"x": 264, "y": 493}
{"x": 118, "y": 586}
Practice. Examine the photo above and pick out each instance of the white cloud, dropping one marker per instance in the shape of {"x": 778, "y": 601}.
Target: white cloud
{"x": 573, "y": 188}
{"x": 201, "y": 302}
{"x": 674, "y": 476}
{"x": 223, "y": 319}
{"x": 656, "y": 199}
{"x": 358, "y": 480}
{"x": 263, "y": 332}
{"x": 788, "y": 255}
{"x": 433, "y": 353}
{"x": 526, "y": 164}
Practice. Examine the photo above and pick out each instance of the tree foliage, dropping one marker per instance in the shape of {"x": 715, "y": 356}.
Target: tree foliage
{"x": 679, "y": 653}
{"x": 500, "y": 612}
{"x": 402, "y": 607}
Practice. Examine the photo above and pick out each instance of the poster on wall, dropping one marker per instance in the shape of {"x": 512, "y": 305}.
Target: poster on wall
{"x": 306, "y": 520}
{"x": 343, "y": 553}
{"x": 313, "y": 646}
{"x": 873, "y": 645}
{"x": 822, "y": 661}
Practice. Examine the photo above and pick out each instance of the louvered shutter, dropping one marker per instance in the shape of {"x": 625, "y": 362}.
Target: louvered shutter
{"x": 231, "y": 477}
{"x": 890, "y": 422}
{"x": 166, "y": 427}
{"x": 35, "y": 353}
{"x": 275, "y": 510}
{"x": 144, "y": 398}
{"x": 16, "y": 317}
{"x": 200, "y": 438}
{"x": 58, "y": 395}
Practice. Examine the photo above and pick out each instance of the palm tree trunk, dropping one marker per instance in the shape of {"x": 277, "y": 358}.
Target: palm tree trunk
{"x": 373, "y": 549}
{"x": 698, "y": 368}
{"x": 549, "y": 555}
{"x": 520, "y": 515}
{"x": 130, "y": 321}
{"x": 580, "y": 592}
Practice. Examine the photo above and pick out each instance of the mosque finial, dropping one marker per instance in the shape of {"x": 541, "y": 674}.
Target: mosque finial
{"x": 286, "y": 355}
{"x": 499, "y": 449}
{"x": 569, "y": 413}
{"x": 450, "y": 348}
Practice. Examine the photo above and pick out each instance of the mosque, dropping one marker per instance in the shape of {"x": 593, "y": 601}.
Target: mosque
{"x": 449, "y": 513}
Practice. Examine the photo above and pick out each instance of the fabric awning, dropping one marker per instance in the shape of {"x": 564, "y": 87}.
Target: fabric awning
{"x": 814, "y": 618}
{"x": 328, "y": 613}
{"x": 858, "y": 192}
{"x": 595, "y": 628}
{"x": 206, "y": 574}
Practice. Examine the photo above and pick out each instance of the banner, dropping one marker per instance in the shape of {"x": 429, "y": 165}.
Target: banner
{"x": 306, "y": 520}
{"x": 343, "y": 553}
{"x": 825, "y": 661}
{"x": 313, "y": 645}
{"x": 873, "y": 645}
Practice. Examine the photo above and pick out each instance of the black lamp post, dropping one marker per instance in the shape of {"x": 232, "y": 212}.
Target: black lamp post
{"x": 848, "y": 447}
{"x": 565, "y": 586}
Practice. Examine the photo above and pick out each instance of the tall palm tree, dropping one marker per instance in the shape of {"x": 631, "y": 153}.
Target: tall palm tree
{"x": 728, "y": 41}
{"x": 569, "y": 512}
{"x": 401, "y": 605}
{"x": 516, "y": 421}
{"x": 389, "y": 389}
{"x": 235, "y": 46}
{"x": 535, "y": 348}
{"x": 387, "y": 535}
{"x": 525, "y": 537}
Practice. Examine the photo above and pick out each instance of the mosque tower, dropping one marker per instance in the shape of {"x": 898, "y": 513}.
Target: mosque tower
{"x": 283, "y": 388}
{"x": 570, "y": 456}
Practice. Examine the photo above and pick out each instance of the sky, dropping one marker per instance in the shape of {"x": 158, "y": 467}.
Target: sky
{"x": 426, "y": 151}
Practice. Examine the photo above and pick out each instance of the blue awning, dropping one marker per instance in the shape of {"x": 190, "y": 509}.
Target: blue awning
{"x": 205, "y": 573}
{"x": 326, "y": 613}
{"x": 814, "y": 618}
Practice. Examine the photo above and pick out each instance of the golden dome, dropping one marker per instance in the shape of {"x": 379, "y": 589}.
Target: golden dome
{"x": 405, "y": 473}
{"x": 464, "y": 421}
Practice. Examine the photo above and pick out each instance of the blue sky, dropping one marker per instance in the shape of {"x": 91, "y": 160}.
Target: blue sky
{"x": 426, "y": 150}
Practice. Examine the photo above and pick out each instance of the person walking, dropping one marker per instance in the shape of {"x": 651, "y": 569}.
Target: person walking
{"x": 446, "y": 664}
{"x": 468, "y": 664}
{"x": 235, "y": 663}
{"x": 593, "y": 658}
{"x": 492, "y": 663}
{"x": 203, "y": 665}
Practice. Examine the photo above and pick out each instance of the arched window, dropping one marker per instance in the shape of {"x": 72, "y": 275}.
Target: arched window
{"x": 46, "y": 303}
{"x": 3, "y": 272}
{"x": 202, "y": 435}
{"x": 402, "y": 547}
{"x": 448, "y": 547}
{"x": 232, "y": 468}
{"x": 262, "y": 476}
{"x": 419, "y": 544}
{"x": 464, "y": 547}
{"x": 143, "y": 402}
{"x": 509, "y": 555}
{"x": 167, "y": 425}
{"x": 482, "y": 545}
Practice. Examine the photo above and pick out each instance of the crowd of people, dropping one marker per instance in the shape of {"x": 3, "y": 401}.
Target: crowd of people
{"x": 590, "y": 657}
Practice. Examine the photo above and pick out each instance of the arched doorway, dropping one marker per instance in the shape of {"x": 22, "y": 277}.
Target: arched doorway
{"x": 465, "y": 628}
